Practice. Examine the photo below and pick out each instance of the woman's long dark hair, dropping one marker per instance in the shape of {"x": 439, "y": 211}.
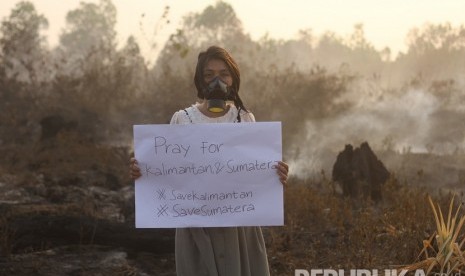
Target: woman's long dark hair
{"x": 215, "y": 52}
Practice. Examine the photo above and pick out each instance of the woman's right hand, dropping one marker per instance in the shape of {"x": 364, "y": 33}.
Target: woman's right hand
{"x": 134, "y": 170}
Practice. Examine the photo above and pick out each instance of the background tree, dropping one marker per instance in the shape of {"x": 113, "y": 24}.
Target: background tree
{"x": 89, "y": 27}
{"x": 89, "y": 35}
{"x": 94, "y": 80}
{"x": 131, "y": 70}
{"x": 24, "y": 76}
{"x": 216, "y": 25}
{"x": 435, "y": 51}
{"x": 23, "y": 50}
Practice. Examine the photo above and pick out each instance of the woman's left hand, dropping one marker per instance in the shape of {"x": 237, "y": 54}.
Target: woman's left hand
{"x": 283, "y": 170}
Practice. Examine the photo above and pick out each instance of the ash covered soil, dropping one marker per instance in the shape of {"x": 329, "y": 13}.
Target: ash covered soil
{"x": 58, "y": 218}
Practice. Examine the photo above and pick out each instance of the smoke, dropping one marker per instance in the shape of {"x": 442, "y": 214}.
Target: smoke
{"x": 410, "y": 121}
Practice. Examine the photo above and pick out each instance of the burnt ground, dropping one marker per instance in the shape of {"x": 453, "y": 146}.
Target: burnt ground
{"x": 65, "y": 219}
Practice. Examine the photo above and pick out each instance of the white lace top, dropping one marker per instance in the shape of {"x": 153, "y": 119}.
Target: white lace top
{"x": 192, "y": 115}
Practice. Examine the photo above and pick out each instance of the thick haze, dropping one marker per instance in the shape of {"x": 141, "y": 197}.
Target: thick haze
{"x": 386, "y": 23}
{"x": 328, "y": 88}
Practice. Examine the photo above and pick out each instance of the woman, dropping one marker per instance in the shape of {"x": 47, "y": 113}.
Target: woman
{"x": 226, "y": 250}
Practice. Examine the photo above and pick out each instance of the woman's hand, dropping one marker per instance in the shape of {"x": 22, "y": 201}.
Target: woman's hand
{"x": 134, "y": 170}
{"x": 283, "y": 170}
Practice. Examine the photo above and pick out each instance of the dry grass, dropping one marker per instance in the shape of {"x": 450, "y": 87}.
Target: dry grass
{"x": 326, "y": 230}
{"x": 322, "y": 228}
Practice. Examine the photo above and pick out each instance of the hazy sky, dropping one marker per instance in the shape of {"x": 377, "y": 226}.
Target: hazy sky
{"x": 386, "y": 23}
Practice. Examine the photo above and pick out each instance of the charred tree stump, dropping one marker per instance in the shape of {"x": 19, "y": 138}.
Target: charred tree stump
{"x": 360, "y": 172}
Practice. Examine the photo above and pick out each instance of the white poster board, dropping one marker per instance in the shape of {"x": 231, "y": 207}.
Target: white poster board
{"x": 208, "y": 175}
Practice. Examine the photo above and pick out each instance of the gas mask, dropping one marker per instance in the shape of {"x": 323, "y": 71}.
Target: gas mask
{"x": 217, "y": 93}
